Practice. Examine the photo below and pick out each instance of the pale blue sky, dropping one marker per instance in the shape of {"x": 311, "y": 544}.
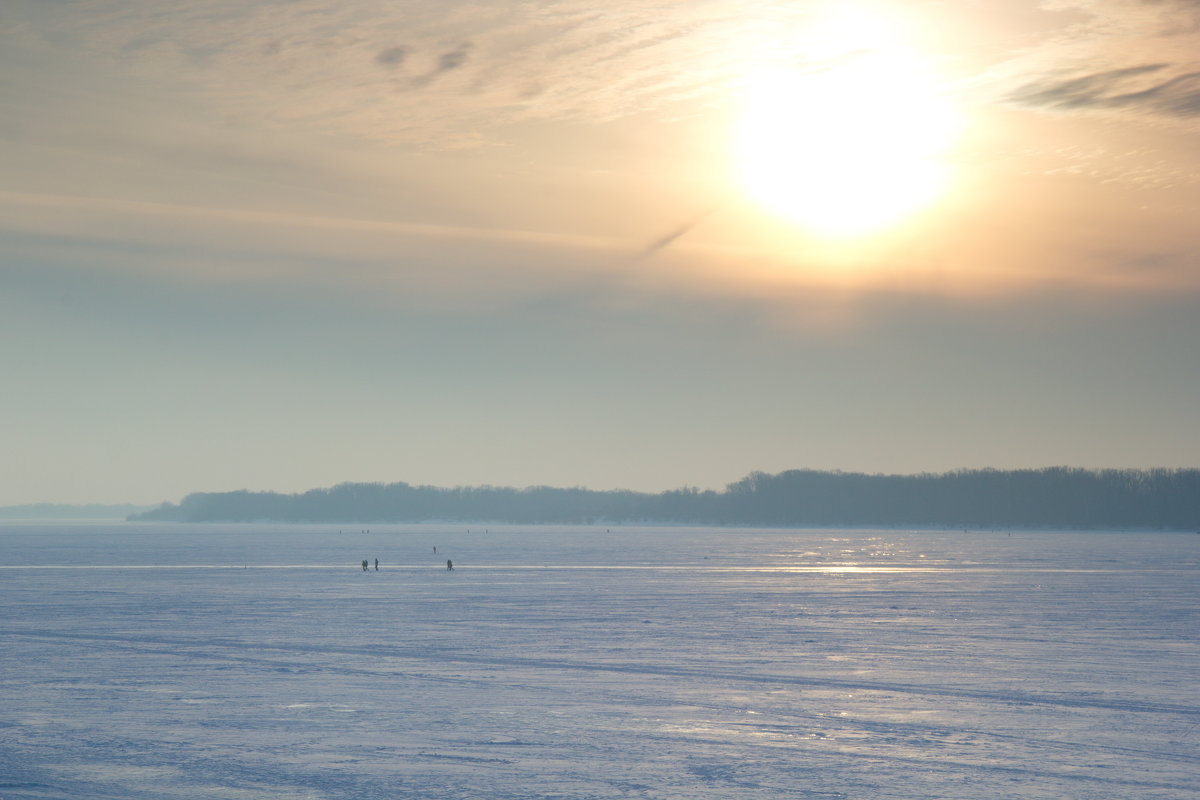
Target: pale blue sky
{"x": 283, "y": 245}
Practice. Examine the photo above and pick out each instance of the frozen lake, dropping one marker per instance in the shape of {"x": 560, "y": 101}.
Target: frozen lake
{"x": 257, "y": 661}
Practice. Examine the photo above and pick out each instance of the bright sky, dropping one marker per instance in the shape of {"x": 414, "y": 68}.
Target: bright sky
{"x": 279, "y": 245}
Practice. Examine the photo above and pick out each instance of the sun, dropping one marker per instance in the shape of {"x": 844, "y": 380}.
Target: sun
{"x": 850, "y": 141}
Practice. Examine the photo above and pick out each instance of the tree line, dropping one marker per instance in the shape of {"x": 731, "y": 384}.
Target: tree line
{"x": 1056, "y": 497}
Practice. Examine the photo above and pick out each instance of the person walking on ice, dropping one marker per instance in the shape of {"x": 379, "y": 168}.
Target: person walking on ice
{"x": 377, "y": 565}
{"x": 449, "y": 564}
{"x": 364, "y": 565}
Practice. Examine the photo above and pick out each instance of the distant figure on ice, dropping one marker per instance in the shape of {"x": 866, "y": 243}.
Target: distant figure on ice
{"x": 435, "y": 548}
{"x": 449, "y": 564}
{"x": 364, "y": 565}
{"x": 377, "y": 565}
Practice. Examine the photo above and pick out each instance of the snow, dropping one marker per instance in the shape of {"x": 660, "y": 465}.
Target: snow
{"x": 261, "y": 662}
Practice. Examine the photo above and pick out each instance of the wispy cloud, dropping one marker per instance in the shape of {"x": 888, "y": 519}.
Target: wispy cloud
{"x": 320, "y": 64}
{"x": 392, "y": 56}
{"x": 1133, "y": 58}
{"x": 669, "y": 238}
{"x": 446, "y": 62}
{"x": 1137, "y": 87}
{"x": 351, "y": 67}
{"x": 292, "y": 109}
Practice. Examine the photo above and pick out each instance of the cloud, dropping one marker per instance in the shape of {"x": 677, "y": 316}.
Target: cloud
{"x": 392, "y": 56}
{"x": 1082, "y": 92}
{"x": 332, "y": 69}
{"x": 1136, "y": 60}
{"x": 335, "y": 69}
{"x": 409, "y": 262}
{"x": 666, "y": 240}
{"x": 1178, "y": 95}
{"x": 343, "y": 129}
{"x": 453, "y": 59}
{"x": 448, "y": 61}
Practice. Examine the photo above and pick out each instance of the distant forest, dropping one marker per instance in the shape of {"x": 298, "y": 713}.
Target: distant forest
{"x": 1057, "y": 497}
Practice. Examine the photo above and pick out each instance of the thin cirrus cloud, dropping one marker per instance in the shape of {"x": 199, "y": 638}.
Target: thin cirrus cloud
{"x": 1148, "y": 87}
{"x": 302, "y": 107}
{"x": 368, "y": 69}
{"x": 392, "y": 56}
{"x": 320, "y": 65}
{"x": 452, "y": 74}
{"x": 447, "y": 62}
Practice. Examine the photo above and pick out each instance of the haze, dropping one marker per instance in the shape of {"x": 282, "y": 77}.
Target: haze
{"x": 278, "y": 245}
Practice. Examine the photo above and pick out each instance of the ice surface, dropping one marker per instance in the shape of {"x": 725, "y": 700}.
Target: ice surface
{"x": 257, "y": 661}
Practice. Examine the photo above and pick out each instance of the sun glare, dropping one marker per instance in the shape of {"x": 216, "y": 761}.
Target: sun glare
{"x": 851, "y": 140}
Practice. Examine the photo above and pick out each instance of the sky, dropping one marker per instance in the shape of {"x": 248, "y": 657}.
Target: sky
{"x": 273, "y": 245}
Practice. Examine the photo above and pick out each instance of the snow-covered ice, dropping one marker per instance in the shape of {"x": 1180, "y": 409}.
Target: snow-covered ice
{"x": 254, "y": 662}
